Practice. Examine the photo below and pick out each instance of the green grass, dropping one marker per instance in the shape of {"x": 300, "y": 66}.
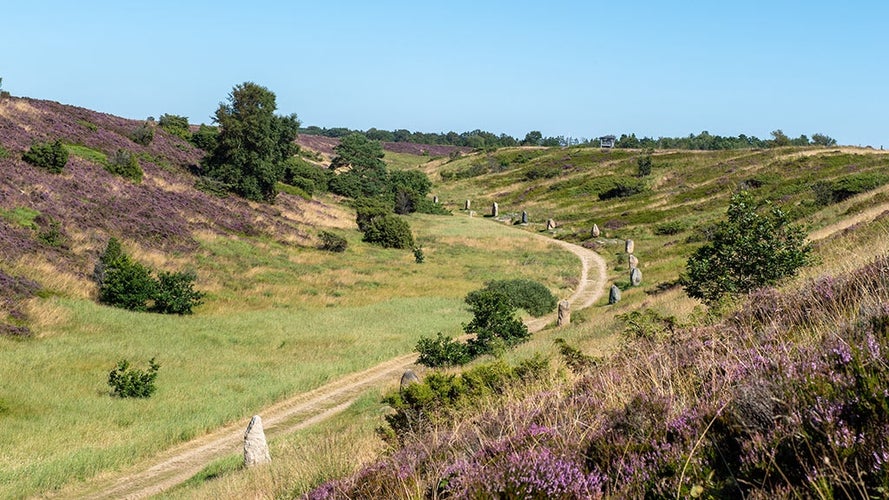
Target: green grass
{"x": 21, "y": 216}
{"x": 87, "y": 153}
{"x": 278, "y": 321}
{"x": 404, "y": 161}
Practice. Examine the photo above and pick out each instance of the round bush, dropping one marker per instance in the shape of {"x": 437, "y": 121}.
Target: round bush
{"x": 389, "y": 231}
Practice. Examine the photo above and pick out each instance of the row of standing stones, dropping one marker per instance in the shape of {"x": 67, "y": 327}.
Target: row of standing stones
{"x": 614, "y": 293}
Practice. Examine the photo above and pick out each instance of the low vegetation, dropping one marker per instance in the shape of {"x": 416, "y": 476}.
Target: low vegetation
{"x": 130, "y": 382}
{"x": 51, "y": 156}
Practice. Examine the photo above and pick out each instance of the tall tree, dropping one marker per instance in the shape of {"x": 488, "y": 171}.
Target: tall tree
{"x": 253, "y": 143}
{"x": 366, "y": 175}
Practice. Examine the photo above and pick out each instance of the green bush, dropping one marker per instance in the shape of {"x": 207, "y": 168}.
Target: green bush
{"x": 129, "y": 382}
{"x": 494, "y": 323}
{"x": 669, "y": 228}
{"x": 50, "y": 232}
{"x": 176, "y": 125}
{"x": 3, "y": 153}
{"x": 174, "y": 293}
{"x": 827, "y": 193}
{"x": 143, "y": 134}
{"x": 389, "y": 231}
{"x": 124, "y": 164}
{"x": 442, "y": 351}
{"x": 419, "y": 256}
{"x": 298, "y": 171}
{"x": 367, "y": 209}
{"x": 748, "y": 251}
{"x": 542, "y": 172}
{"x": 51, "y": 156}
{"x": 127, "y": 284}
{"x": 205, "y": 138}
{"x": 333, "y": 242}
{"x": 623, "y": 189}
{"x": 525, "y": 294}
{"x": 643, "y": 164}
{"x": 293, "y": 191}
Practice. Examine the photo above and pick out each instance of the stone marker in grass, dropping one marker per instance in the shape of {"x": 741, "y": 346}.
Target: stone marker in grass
{"x": 614, "y": 295}
{"x": 409, "y": 378}
{"x": 256, "y": 450}
{"x": 564, "y": 313}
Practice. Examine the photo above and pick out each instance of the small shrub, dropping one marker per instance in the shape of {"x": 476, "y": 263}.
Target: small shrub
{"x": 205, "y": 138}
{"x": 442, "y": 351}
{"x": 623, "y": 189}
{"x": 494, "y": 323}
{"x": 174, "y": 293}
{"x": 643, "y": 164}
{"x": 212, "y": 187}
{"x": 333, "y": 242}
{"x": 143, "y": 135}
{"x": 293, "y": 191}
{"x": 369, "y": 208}
{"x": 389, "y": 231}
{"x": 419, "y": 256}
{"x": 130, "y": 382}
{"x": 542, "y": 172}
{"x": 124, "y": 164}
{"x": 122, "y": 282}
{"x": 577, "y": 361}
{"x": 176, "y": 125}
{"x": 525, "y": 294}
{"x": 50, "y": 156}
{"x": 3, "y": 153}
{"x": 92, "y": 127}
{"x": 669, "y": 228}
{"x": 50, "y": 232}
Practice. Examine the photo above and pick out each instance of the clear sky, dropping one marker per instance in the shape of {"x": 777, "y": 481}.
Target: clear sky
{"x": 573, "y": 68}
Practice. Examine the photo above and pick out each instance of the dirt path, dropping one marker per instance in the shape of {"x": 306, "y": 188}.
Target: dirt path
{"x": 182, "y": 462}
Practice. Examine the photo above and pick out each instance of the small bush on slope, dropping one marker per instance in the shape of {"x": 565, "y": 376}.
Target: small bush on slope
{"x": 131, "y": 382}
{"x": 51, "y": 156}
{"x": 787, "y": 397}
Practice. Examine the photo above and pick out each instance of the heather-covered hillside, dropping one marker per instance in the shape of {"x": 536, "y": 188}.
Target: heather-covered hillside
{"x": 65, "y": 219}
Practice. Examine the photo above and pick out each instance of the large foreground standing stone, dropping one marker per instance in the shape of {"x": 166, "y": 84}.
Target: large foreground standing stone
{"x": 564, "y": 313}
{"x": 636, "y": 277}
{"x": 409, "y": 378}
{"x": 256, "y": 450}
{"x": 614, "y": 295}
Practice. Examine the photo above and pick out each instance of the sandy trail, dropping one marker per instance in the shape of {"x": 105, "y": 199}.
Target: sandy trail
{"x": 183, "y": 461}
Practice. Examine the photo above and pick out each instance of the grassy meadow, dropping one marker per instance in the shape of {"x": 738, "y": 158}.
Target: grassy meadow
{"x": 278, "y": 320}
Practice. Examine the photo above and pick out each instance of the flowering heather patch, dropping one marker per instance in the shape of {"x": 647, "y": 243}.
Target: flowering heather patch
{"x": 87, "y": 200}
{"x": 424, "y": 149}
{"x": 787, "y": 397}
{"x": 14, "y": 290}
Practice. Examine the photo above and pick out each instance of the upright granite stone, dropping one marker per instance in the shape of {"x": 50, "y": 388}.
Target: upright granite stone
{"x": 495, "y": 210}
{"x": 595, "y": 231}
{"x": 564, "y": 313}
{"x": 524, "y": 217}
{"x": 633, "y": 261}
{"x": 630, "y": 246}
{"x": 256, "y": 450}
{"x": 635, "y": 277}
{"x": 468, "y": 205}
{"x": 614, "y": 295}
{"x": 550, "y": 224}
{"x": 409, "y": 378}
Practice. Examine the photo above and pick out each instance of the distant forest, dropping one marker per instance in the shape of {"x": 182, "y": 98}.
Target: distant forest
{"x": 480, "y": 139}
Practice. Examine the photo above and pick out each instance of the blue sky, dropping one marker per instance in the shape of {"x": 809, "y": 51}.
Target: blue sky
{"x": 579, "y": 69}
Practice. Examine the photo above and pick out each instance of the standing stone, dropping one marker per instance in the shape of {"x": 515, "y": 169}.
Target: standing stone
{"x": 614, "y": 295}
{"x": 435, "y": 200}
{"x": 595, "y": 232}
{"x": 633, "y": 261}
{"x": 409, "y": 378}
{"x": 468, "y": 205}
{"x": 630, "y": 246}
{"x": 550, "y": 224}
{"x": 256, "y": 450}
{"x": 524, "y": 217}
{"x": 636, "y": 277}
{"x": 564, "y": 313}
{"x": 495, "y": 210}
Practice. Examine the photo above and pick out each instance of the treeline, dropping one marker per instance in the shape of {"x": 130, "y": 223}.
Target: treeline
{"x": 480, "y": 139}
